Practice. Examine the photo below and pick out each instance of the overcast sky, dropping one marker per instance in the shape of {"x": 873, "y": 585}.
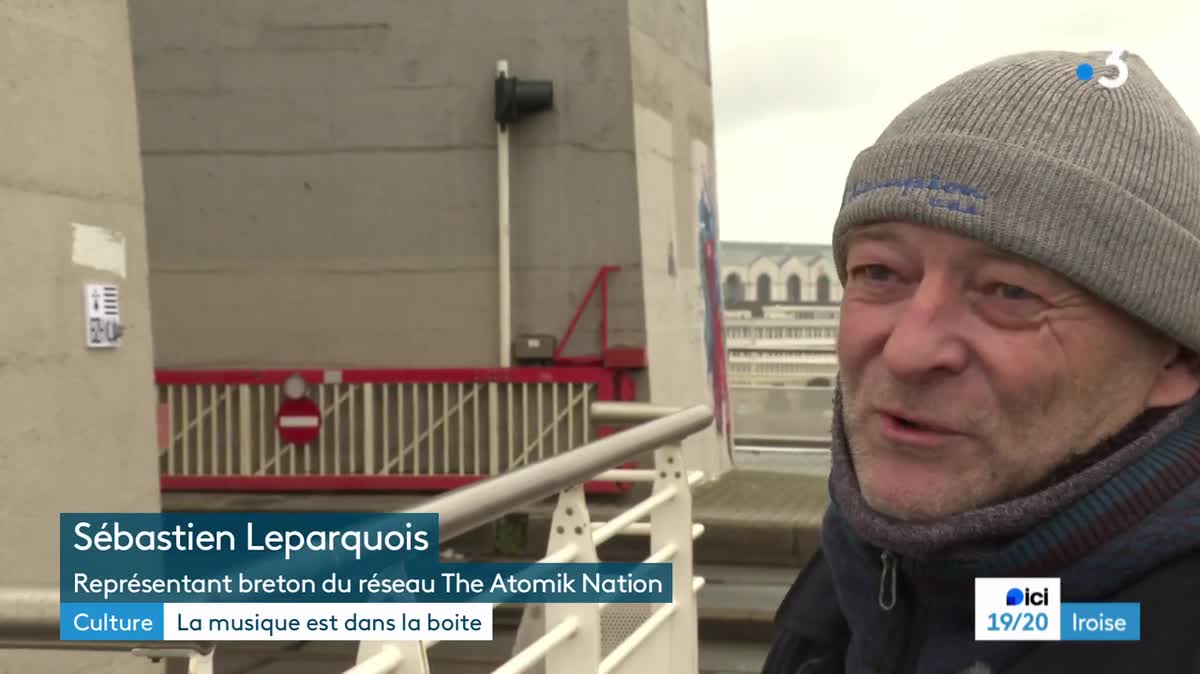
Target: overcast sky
{"x": 801, "y": 87}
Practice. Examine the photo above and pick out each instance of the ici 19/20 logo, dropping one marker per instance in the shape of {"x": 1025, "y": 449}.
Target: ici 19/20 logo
{"x": 1026, "y": 597}
{"x": 1085, "y": 71}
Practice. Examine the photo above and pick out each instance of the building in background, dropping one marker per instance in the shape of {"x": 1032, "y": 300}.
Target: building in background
{"x": 782, "y": 304}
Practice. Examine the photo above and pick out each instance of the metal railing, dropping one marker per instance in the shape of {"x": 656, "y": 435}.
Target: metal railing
{"x": 380, "y": 429}
{"x": 553, "y": 638}
{"x": 797, "y": 371}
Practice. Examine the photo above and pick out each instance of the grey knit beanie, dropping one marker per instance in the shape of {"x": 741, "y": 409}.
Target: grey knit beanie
{"x": 1100, "y": 185}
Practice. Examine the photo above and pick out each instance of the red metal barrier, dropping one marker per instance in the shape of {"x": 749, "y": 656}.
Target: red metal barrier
{"x": 609, "y": 384}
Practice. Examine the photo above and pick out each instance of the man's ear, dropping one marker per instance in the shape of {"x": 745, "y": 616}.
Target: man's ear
{"x": 1178, "y": 381}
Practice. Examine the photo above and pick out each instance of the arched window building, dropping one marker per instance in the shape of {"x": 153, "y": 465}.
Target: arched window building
{"x": 782, "y": 305}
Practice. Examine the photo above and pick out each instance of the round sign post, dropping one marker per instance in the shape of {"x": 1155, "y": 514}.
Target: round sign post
{"x": 298, "y": 421}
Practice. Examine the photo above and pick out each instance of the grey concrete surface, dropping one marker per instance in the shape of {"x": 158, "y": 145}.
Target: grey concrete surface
{"x": 77, "y": 425}
{"x": 322, "y": 184}
{"x": 675, "y": 160}
{"x": 760, "y": 517}
{"x": 815, "y": 462}
{"x": 782, "y": 411}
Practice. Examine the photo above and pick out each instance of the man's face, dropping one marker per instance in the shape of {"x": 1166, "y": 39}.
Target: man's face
{"x": 1007, "y": 370}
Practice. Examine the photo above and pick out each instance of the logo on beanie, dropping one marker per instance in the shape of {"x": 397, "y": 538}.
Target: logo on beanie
{"x": 945, "y": 195}
{"x": 1085, "y": 71}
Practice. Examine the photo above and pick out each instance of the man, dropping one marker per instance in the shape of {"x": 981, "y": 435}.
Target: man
{"x": 1017, "y": 395}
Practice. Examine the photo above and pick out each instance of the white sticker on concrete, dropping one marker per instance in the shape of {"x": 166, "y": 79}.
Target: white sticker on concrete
{"x": 98, "y": 248}
{"x": 102, "y": 307}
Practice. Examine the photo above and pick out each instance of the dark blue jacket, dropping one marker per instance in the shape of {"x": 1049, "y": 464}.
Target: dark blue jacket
{"x": 813, "y": 638}
{"x": 1135, "y": 538}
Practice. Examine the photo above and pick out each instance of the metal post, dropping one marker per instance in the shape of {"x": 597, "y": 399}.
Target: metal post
{"x": 493, "y": 421}
{"x": 368, "y": 432}
{"x": 571, "y": 525}
{"x": 505, "y": 235}
{"x": 390, "y": 657}
{"x": 245, "y": 425}
{"x": 671, "y": 524}
{"x": 201, "y": 663}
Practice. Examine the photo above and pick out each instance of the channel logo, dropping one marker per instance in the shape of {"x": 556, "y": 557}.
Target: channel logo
{"x": 1085, "y": 71}
{"x": 1018, "y": 609}
{"x": 1032, "y": 609}
{"x": 1018, "y": 597}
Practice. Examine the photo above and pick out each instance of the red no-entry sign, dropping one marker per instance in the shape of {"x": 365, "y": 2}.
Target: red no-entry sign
{"x": 298, "y": 420}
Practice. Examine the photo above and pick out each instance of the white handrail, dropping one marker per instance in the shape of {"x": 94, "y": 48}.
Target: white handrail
{"x": 383, "y": 662}
{"x": 612, "y": 528}
{"x": 29, "y": 616}
{"x": 536, "y": 652}
{"x": 464, "y": 509}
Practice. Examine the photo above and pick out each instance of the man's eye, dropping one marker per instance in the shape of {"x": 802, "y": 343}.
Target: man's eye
{"x": 1011, "y": 292}
{"x": 874, "y": 272}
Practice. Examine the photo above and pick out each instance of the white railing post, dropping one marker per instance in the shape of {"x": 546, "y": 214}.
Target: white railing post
{"x": 368, "y": 434}
{"x": 571, "y": 525}
{"x": 671, "y": 524}
{"x": 391, "y": 657}
{"x": 201, "y": 663}
{"x": 572, "y": 638}
{"x": 493, "y": 428}
{"x": 245, "y": 428}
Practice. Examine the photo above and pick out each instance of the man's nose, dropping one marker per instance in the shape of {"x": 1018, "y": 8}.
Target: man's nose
{"x": 926, "y": 335}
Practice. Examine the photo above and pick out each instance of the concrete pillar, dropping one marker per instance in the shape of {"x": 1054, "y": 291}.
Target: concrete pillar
{"x": 679, "y": 217}
{"x": 322, "y": 191}
{"x": 76, "y": 424}
{"x": 321, "y": 179}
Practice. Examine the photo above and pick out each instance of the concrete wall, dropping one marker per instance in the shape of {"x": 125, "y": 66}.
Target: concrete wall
{"x": 673, "y": 126}
{"x": 321, "y": 178}
{"x": 321, "y": 183}
{"x": 76, "y": 426}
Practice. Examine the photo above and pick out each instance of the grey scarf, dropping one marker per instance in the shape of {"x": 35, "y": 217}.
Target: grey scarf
{"x": 992, "y": 525}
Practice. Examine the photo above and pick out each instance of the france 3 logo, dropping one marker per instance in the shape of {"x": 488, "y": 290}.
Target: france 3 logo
{"x": 1018, "y": 609}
